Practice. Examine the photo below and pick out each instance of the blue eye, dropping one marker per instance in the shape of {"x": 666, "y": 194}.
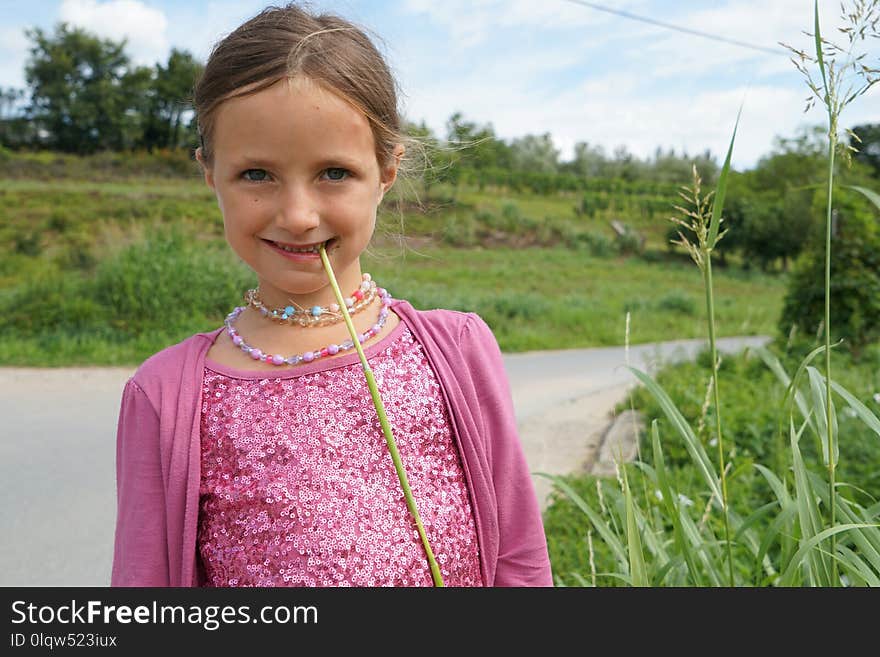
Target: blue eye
{"x": 260, "y": 177}
{"x": 345, "y": 173}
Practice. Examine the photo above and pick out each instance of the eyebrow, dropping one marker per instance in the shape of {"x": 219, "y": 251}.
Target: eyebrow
{"x": 327, "y": 161}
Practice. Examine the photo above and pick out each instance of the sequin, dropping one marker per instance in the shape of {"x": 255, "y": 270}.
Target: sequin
{"x": 298, "y": 487}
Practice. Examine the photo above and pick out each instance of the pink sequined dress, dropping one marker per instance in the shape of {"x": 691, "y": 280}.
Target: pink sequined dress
{"x": 298, "y": 487}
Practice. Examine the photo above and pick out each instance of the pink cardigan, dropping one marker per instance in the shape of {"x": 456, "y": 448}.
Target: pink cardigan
{"x": 158, "y": 456}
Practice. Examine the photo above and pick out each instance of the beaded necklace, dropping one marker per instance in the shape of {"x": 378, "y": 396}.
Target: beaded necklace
{"x": 309, "y": 356}
{"x": 316, "y": 315}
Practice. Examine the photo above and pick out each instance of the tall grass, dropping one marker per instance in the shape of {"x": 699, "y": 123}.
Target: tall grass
{"x": 807, "y": 533}
{"x": 840, "y": 83}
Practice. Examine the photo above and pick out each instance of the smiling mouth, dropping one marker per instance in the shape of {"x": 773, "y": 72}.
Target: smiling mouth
{"x": 313, "y": 248}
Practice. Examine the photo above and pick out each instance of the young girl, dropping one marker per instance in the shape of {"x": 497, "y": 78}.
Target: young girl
{"x": 252, "y": 455}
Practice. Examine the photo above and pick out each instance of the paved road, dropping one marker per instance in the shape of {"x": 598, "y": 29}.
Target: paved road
{"x": 57, "y": 447}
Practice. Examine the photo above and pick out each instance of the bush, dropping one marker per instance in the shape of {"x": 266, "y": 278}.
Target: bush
{"x": 596, "y": 244}
{"x": 855, "y": 280}
{"x": 678, "y": 303}
{"x": 460, "y": 229}
{"x": 167, "y": 280}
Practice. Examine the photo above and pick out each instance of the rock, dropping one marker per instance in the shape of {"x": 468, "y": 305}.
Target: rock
{"x": 619, "y": 443}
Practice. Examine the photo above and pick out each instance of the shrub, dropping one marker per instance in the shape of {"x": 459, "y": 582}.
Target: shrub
{"x": 855, "y": 280}
{"x": 460, "y": 229}
{"x": 679, "y": 303}
{"x": 596, "y": 244}
{"x": 167, "y": 280}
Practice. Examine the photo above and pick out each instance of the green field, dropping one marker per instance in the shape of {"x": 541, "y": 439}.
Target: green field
{"x": 109, "y": 272}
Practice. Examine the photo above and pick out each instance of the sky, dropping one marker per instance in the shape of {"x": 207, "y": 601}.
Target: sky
{"x": 531, "y": 66}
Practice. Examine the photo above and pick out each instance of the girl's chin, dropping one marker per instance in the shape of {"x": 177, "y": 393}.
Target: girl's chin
{"x": 308, "y": 286}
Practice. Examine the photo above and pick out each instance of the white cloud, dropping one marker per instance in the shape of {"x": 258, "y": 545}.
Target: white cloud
{"x": 531, "y": 67}
{"x": 643, "y": 87}
{"x": 764, "y": 23}
{"x": 197, "y": 29}
{"x": 613, "y": 111}
{"x": 753, "y": 22}
{"x": 13, "y": 53}
{"x": 472, "y": 22}
{"x": 144, "y": 27}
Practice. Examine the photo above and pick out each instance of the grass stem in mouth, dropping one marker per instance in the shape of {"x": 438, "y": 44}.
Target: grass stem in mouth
{"x": 383, "y": 420}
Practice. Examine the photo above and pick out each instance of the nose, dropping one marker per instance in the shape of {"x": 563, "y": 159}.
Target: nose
{"x": 297, "y": 211}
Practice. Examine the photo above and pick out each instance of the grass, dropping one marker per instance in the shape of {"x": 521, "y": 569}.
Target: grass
{"x": 740, "y": 522}
{"x": 88, "y": 269}
{"x": 752, "y": 397}
{"x": 519, "y": 294}
{"x": 165, "y": 285}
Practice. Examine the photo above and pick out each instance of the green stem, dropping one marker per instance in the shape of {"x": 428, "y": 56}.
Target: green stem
{"x": 832, "y": 143}
{"x": 383, "y": 420}
{"x": 710, "y": 304}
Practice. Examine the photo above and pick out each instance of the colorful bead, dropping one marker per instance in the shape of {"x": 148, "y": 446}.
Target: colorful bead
{"x": 309, "y": 356}
{"x": 317, "y": 315}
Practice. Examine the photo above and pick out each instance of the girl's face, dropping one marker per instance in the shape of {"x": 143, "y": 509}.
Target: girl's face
{"x": 296, "y": 166}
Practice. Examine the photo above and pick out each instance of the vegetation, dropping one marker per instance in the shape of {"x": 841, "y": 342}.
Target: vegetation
{"x": 855, "y": 278}
{"x": 84, "y": 96}
{"x": 771, "y": 523}
{"x": 87, "y": 96}
{"x": 84, "y": 277}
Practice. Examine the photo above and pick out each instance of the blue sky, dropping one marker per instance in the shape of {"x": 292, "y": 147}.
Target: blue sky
{"x": 528, "y": 66}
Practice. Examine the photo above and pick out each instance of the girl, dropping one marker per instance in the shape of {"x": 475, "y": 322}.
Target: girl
{"x": 251, "y": 455}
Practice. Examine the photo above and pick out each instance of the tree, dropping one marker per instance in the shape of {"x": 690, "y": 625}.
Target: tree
{"x": 855, "y": 278}
{"x": 169, "y": 99}
{"x": 431, "y": 161}
{"x": 625, "y": 165}
{"x": 478, "y": 147}
{"x": 867, "y": 145}
{"x": 85, "y": 93}
{"x": 589, "y": 161}
{"x": 771, "y": 204}
{"x": 796, "y": 162}
{"x": 15, "y": 129}
{"x": 9, "y": 98}
{"x": 535, "y": 153}
{"x": 774, "y": 227}
{"x": 670, "y": 167}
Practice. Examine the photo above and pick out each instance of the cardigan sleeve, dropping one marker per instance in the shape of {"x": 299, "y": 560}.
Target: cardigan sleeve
{"x": 140, "y": 555}
{"x": 522, "y": 545}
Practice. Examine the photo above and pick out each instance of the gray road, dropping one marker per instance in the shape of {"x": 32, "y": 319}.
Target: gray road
{"x": 57, "y": 447}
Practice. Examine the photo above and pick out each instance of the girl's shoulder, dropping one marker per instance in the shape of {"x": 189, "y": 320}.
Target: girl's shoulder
{"x": 454, "y": 327}
{"x": 439, "y": 319}
{"x": 172, "y": 365}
